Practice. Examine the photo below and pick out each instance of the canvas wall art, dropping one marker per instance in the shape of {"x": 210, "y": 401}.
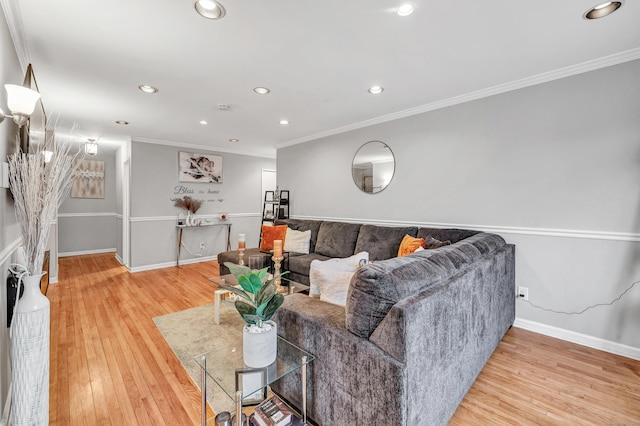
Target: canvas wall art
{"x": 88, "y": 180}
{"x": 200, "y": 168}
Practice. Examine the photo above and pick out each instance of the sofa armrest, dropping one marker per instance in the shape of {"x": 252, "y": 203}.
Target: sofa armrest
{"x": 350, "y": 376}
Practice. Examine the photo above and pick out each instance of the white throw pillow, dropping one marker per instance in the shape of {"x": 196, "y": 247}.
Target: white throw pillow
{"x": 330, "y": 279}
{"x": 297, "y": 241}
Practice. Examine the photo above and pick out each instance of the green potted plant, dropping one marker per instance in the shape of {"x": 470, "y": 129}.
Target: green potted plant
{"x": 259, "y": 300}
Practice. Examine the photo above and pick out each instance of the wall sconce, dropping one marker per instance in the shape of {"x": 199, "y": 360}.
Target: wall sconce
{"x": 91, "y": 147}
{"x": 21, "y": 102}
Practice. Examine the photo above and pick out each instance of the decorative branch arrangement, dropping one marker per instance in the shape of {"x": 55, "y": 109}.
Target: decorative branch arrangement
{"x": 189, "y": 204}
{"x": 38, "y": 189}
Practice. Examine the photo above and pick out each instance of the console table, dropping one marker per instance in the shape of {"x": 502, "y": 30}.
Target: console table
{"x": 181, "y": 228}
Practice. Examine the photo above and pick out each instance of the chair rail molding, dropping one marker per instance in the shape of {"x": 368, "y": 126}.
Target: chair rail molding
{"x": 543, "y": 232}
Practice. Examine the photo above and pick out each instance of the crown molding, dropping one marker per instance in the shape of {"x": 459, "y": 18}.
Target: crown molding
{"x": 607, "y": 61}
{"x": 11, "y": 9}
{"x": 198, "y": 147}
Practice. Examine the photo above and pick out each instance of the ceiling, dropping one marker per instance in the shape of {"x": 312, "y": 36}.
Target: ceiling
{"x": 317, "y": 57}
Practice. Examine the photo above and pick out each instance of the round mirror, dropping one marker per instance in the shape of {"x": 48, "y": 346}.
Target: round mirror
{"x": 373, "y": 167}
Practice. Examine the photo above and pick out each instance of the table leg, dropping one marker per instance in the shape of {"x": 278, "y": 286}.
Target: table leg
{"x": 203, "y": 383}
{"x": 217, "y": 295}
{"x": 304, "y": 390}
{"x": 179, "y": 246}
{"x": 239, "y": 408}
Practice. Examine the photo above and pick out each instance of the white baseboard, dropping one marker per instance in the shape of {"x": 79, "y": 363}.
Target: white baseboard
{"x": 53, "y": 280}
{"x": 170, "y": 264}
{"x": 83, "y": 252}
{"x": 579, "y": 338}
{"x": 119, "y": 259}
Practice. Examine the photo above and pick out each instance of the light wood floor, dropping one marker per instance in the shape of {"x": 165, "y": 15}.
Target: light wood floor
{"x": 111, "y": 366}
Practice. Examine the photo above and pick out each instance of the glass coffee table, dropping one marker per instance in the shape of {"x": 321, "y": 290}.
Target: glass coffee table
{"x": 289, "y": 286}
{"x": 243, "y": 384}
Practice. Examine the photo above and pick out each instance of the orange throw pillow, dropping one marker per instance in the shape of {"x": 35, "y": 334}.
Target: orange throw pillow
{"x": 270, "y": 233}
{"x": 409, "y": 244}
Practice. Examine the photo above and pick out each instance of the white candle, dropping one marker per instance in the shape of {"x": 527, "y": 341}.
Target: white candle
{"x": 277, "y": 248}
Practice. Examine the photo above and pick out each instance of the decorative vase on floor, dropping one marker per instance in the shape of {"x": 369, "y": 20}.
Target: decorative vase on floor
{"x": 260, "y": 345}
{"x": 30, "y": 356}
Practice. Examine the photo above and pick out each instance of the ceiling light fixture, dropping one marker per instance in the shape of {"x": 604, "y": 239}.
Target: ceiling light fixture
{"x": 261, "y": 90}
{"x": 91, "y": 147}
{"x": 602, "y": 10}
{"x": 122, "y": 122}
{"x": 210, "y": 9}
{"x": 234, "y": 140}
{"x": 376, "y": 90}
{"x": 148, "y": 89}
{"x": 284, "y": 122}
{"x": 405, "y": 10}
{"x": 203, "y": 122}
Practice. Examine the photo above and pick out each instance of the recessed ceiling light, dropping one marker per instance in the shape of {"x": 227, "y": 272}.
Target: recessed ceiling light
{"x": 261, "y": 90}
{"x": 148, "y": 89}
{"x": 405, "y": 10}
{"x": 234, "y": 140}
{"x": 122, "y": 122}
{"x": 602, "y": 10}
{"x": 203, "y": 122}
{"x": 210, "y": 9}
{"x": 284, "y": 122}
{"x": 376, "y": 90}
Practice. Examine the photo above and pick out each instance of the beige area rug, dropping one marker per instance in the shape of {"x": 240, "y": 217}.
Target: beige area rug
{"x": 192, "y": 332}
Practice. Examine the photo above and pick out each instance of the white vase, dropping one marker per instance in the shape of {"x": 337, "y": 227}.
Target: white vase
{"x": 30, "y": 356}
{"x": 260, "y": 346}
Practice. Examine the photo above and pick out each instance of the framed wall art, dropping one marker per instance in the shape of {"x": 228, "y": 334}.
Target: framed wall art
{"x": 88, "y": 180}
{"x": 204, "y": 168}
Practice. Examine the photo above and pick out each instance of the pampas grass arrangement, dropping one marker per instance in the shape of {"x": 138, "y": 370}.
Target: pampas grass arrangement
{"x": 189, "y": 204}
{"x": 38, "y": 189}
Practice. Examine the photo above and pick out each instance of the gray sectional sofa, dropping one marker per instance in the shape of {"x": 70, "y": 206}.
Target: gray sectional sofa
{"x": 341, "y": 239}
{"x": 416, "y": 330}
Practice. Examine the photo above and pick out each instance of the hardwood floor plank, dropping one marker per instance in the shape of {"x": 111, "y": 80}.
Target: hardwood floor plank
{"x": 111, "y": 366}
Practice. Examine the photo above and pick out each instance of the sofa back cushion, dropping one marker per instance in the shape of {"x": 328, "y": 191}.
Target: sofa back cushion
{"x": 376, "y": 287}
{"x": 453, "y": 235}
{"x": 337, "y": 239}
{"x": 382, "y": 242}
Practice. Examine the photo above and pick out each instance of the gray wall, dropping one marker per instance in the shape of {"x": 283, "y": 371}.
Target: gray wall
{"x": 10, "y": 72}
{"x": 154, "y": 182}
{"x": 554, "y": 168}
{"x": 88, "y": 225}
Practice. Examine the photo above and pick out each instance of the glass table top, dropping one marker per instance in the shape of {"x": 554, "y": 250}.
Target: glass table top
{"x": 226, "y": 367}
{"x": 289, "y": 285}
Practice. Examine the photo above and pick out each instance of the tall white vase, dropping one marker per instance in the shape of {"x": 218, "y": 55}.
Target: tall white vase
{"x": 30, "y": 356}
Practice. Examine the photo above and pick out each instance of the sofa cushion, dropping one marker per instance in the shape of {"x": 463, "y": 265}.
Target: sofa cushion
{"x": 453, "y": 235}
{"x": 376, "y": 287}
{"x": 382, "y": 242}
{"x": 297, "y": 241}
{"x": 300, "y": 264}
{"x": 431, "y": 243}
{"x": 409, "y": 245}
{"x": 270, "y": 234}
{"x": 337, "y": 239}
{"x": 329, "y": 279}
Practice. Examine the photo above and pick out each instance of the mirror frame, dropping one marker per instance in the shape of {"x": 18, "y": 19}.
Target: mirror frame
{"x": 353, "y": 168}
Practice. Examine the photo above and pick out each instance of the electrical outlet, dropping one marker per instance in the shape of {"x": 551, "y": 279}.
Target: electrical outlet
{"x": 201, "y": 245}
{"x": 523, "y": 293}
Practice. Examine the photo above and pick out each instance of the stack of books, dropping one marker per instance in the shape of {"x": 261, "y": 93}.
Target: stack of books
{"x": 274, "y": 412}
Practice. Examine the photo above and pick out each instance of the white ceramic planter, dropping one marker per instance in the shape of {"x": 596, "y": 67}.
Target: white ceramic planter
{"x": 260, "y": 348}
